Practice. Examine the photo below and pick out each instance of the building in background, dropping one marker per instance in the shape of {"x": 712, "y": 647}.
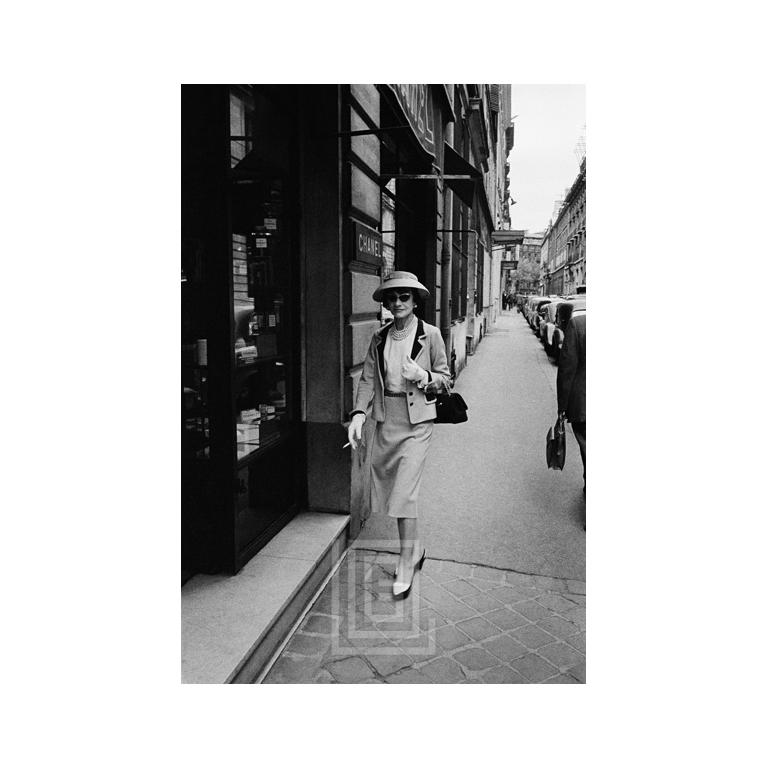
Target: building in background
{"x": 507, "y": 243}
{"x": 568, "y": 240}
{"x": 576, "y": 272}
{"x": 529, "y": 263}
{"x": 544, "y": 280}
{"x": 478, "y": 143}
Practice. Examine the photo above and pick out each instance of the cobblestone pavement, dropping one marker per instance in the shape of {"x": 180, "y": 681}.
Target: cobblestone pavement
{"x": 462, "y": 623}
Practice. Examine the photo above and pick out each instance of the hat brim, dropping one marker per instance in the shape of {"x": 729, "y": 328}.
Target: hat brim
{"x": 422, "y": 290}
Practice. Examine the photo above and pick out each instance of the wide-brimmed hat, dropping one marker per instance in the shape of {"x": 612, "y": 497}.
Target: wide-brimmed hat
{"x": 400, "y": 280}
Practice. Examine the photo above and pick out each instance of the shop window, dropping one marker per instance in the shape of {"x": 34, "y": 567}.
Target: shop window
{"x": 462, "y": 219}
{"x": 240, "y": 363}
{"x": 241, "y": 108}
{"x": 260, "y": 282}
{"x": 456, "y": 270}
{"x": 388, "y": 225}
{"x": 240, "y": 267}
{"x": 464, "y": 294}
{"x": 480, "y": 282}
{"x": 388, "y": 239}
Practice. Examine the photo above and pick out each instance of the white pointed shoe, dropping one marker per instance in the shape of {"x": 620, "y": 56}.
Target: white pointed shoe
{"x": 400, "y": 589}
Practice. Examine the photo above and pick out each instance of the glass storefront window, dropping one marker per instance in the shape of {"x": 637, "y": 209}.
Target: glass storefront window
{"x": 262, "y": 414}
{"x": 260, "y": 271}
{"x": 261, "y": 281}
{"x": 243, "y": 467}
{"x": 388, "y": 228}
{"x": 241, "y": 109}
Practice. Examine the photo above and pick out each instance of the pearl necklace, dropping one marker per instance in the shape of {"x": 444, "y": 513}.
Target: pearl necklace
{"x": 400, "y": 335}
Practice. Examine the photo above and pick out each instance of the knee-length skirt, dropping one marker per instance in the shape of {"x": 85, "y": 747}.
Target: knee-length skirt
{"x": 397, "y": 461}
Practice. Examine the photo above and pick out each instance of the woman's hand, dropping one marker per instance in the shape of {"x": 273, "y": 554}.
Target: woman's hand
{"x": 413, "y": 371}
{"x": 355, "y": 429}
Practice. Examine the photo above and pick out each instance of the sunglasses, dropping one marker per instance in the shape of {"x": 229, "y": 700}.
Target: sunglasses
{"x": 390, "y": 297}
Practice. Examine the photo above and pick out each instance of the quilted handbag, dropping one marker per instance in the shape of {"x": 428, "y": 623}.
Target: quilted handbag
{"x": 451, "y": 408}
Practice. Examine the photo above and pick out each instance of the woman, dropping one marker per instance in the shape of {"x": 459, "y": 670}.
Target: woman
{"x": 404, "y": 369}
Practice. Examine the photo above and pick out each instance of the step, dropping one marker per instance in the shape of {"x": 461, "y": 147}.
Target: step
{"x": 232, "y": 625}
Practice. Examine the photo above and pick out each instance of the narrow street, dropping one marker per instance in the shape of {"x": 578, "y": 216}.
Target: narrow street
{"x": 502, "y": 596}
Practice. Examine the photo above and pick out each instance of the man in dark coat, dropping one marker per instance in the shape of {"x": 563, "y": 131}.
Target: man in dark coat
{"x": 572, "y": 382}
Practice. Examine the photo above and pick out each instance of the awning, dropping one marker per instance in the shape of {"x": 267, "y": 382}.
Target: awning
{"x": 456, "y": 165}
{"x": 508, "y": 236}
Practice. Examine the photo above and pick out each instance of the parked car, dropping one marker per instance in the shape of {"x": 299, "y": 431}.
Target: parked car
{"x": 525, "y": 305}
{"x": 564, "y": 312}
{"x": 535, "y": 318}
{"x": 528, "y": 306}
{"x": 547, "y": 323}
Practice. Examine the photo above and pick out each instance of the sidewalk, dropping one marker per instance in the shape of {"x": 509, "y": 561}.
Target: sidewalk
{"x": 501, "y": 597}
{"x": 461, "y": 624}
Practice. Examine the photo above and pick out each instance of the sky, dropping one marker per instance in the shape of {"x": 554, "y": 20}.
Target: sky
{"x": 543, "y": 164}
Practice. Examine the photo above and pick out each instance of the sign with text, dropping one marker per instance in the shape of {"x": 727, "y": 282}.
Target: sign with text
{"x": 416, "y": 103}
{"x": 367, "y": 244}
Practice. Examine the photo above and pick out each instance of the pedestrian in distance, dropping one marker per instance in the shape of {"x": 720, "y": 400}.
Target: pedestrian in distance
{"x": 572, "y": 383}
{"x": 405, "y": 369}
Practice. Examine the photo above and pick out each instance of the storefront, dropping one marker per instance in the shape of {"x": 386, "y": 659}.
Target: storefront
{"x": 296, "y": 201}
{"x": 282, "y": 249}
{"x": 243, "y": 472}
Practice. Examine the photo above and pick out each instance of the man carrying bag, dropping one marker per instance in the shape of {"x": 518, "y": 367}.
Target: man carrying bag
{"x": 572, "y": 383}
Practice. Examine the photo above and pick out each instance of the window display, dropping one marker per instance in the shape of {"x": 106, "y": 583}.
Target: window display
{"x": 261, "y": 408}
{"x": 260, "y": 280}
{"x": 241, "y": 435}
{"x": 196, "y": 432}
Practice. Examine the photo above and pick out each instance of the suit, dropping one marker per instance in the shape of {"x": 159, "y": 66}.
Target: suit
{"x": 572, "y": 371}
{"x": 572, "y": 382}
{"x": 428, "y": 351}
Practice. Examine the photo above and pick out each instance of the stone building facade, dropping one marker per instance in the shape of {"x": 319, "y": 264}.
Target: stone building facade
{"x": 567, "y": 256}
{"x": 355, "y": 181}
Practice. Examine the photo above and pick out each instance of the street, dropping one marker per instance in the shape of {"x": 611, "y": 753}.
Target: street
{"x": 501, "y": 597}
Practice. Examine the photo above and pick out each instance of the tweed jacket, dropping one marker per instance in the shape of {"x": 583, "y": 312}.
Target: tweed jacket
{"x": 572, "y": 370}
{"x": 428, "y": 351}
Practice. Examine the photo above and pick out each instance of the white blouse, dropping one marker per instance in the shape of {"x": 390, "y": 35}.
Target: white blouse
{"x": 395, "y": 353}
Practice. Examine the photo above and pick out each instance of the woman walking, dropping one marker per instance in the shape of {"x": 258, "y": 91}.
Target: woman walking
{"x": 404, "y": 370}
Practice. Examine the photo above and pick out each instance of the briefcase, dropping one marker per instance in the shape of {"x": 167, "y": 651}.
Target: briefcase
{"x": 556, "y": 444}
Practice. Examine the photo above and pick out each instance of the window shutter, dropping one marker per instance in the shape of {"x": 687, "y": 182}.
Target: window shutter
{"x": 494, "y": 102}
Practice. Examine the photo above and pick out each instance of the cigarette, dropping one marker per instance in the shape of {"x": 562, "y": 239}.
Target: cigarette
{"x": 346, "y": 445}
